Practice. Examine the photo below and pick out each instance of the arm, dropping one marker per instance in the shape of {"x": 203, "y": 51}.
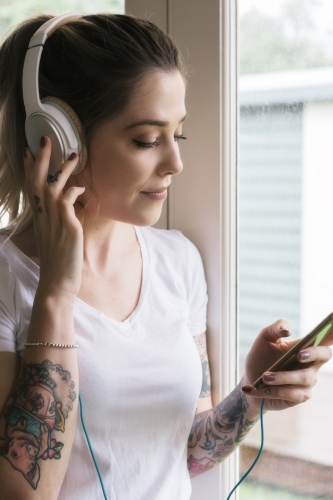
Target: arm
{"x": 218, "y": 432}
{"x": 37, "y": 421}
{"x": 205, "y": 398}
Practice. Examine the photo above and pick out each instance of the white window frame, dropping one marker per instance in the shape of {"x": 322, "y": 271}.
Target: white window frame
{"x": 202, "y": 202}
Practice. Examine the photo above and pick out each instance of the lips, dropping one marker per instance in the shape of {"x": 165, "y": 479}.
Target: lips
{"x": 158, "y": 190}
{"x": 156, "y": 194}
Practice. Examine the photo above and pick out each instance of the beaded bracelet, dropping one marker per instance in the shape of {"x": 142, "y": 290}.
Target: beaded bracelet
{"x": 50, "y": 344}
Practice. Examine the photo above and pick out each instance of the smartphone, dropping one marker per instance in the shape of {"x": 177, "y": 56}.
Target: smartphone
{"x": 289, "y": 360}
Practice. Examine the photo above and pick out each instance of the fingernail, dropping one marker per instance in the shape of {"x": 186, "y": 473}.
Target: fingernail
{"x": 269, "y": 377}
{"x": 247, "y": 388}
{"x": 284, "y": 328}
{"x": 304, "y": 355}
{"x": 72, "y": 156}
{"x": 42, "y": 141}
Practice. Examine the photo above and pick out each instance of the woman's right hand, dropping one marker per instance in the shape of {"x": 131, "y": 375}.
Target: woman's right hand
{"x": 58, "y": 230}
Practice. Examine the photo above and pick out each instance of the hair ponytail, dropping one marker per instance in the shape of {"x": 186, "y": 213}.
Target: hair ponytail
{"x": 13, "y": 199}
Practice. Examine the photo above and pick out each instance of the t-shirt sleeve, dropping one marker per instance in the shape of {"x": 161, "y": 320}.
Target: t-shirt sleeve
{"x": 7, "y": 310}
{"x": 197, "y": 292}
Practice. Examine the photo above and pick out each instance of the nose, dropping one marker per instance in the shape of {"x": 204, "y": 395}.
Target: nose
{"x": 171, "y": 162}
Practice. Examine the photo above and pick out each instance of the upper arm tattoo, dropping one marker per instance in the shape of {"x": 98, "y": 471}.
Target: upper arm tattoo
{"x": 38, "y": 408}
{"x": 206, "y": 383}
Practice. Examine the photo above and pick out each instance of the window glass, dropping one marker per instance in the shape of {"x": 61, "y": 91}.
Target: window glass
{"x": 13, "y": 12}
{"x": 285, "y": 230}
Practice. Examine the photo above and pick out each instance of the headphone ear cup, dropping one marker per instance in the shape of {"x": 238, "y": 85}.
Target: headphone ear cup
{"x": 66, "y": 109}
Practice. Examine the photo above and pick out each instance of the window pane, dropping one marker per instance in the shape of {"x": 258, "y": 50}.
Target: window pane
{"x": 285, "y": 230}
{"x": 13, "y": 12}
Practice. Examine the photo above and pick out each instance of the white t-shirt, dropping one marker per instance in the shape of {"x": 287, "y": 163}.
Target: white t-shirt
{"x": 139, "y": 379}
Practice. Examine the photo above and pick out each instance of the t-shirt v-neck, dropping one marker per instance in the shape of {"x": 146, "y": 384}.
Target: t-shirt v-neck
{"x": 125, "y": 326}
{"x": 122, "y": 327}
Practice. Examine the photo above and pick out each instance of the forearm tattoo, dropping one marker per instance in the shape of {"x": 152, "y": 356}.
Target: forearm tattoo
{"x": 217, "y": 432}
{"x": 34, "y": 416}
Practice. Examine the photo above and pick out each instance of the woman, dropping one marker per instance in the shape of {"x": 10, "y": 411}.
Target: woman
{"x": 81, "y": 267}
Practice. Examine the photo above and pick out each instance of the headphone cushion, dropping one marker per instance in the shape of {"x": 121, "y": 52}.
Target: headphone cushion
{"x": 76, "y": 120}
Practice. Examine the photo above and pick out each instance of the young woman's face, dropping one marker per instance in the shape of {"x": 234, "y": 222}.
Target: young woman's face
{"x": 134, "y": 156}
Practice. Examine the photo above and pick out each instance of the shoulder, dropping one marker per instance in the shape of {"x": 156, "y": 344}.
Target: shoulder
{"x": 5, "y": 267}
{"x": 175, "y": 258}
{"x": 170, "y": 242}
{"x": 7, "y": 282}
{"x": 8, "y": 286}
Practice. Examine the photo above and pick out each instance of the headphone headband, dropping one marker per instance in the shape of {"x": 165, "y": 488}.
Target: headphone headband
{"x": 32, "y": 60}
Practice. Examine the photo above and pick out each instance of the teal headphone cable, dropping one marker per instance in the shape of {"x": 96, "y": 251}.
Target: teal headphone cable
{"x": 90, "y": 448}
{"x": 231, "y": 492}
{"x": 259, "y": 452}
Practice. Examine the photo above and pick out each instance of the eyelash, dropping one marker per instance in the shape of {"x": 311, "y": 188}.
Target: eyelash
{"x": 150, "y": 145}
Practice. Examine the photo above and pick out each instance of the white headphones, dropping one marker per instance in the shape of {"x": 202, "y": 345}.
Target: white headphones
{"x": 50, "y": 116}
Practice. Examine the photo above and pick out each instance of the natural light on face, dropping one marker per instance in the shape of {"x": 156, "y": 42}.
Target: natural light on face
{"x": 285, "y": 231}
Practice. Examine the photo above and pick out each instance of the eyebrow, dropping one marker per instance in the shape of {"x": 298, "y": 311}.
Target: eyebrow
{"x": 152, "y": 123}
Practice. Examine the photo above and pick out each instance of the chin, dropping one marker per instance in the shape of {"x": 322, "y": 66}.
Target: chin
{"x": 146, "y": 219}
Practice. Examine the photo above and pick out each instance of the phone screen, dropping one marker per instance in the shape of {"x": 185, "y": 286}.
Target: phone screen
{"x": 289, "y": 360}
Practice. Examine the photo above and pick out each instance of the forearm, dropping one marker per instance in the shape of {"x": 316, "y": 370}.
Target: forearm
{"x": 216, "y": 433}
{"x": 38, "y": 422}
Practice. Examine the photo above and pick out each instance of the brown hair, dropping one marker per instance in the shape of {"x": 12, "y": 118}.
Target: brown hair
{"x": 93, "y": 64}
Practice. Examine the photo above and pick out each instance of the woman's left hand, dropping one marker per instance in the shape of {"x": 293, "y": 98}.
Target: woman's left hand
{"x": 286, "y": 388}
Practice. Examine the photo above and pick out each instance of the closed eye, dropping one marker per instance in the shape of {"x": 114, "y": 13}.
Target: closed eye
{"x": 150, "y": 145}
{"x": 145, "y": 145}
{"x": 181, "y": 136}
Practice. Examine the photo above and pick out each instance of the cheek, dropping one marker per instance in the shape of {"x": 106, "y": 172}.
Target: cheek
{"x": 125, "y": 173}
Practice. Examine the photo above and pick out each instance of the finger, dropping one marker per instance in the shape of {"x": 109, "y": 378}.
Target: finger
{"x": 72, "y": 193}
{"x": 42, "y": 161}
{"x": 57, "y": 181}
{"x": 292, "y": 394}
{"x": 305, "y": 377}
{"x": 67, "y": 202}
{"x": 29, "y": 164}
{"x": 39, "y": 174}
{"x": 277, "y": 330}
{"x": 317, "y": 354}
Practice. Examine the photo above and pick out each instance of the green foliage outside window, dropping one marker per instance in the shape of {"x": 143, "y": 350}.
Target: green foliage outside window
{"x": 13, "y": 12}
{"x": 291, "y": 40}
